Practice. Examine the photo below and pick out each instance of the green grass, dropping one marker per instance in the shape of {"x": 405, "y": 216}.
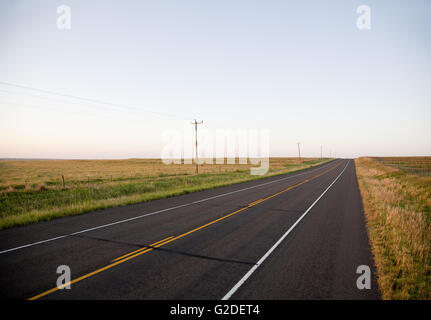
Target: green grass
{"x": 21, "y": 204}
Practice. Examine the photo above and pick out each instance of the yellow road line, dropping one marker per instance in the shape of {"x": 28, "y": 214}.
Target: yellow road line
{"x": 141, "y": 251}
{"x": 93, "y": 273}
{"x": 255, "y": 202}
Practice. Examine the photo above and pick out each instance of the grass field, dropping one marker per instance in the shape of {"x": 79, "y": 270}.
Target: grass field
{"x": 396, "y": 193}
{"x": 33, "y": 190}
{"x": 414, "y": 165}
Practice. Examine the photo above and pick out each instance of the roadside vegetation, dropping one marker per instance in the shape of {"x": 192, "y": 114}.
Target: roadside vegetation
{"x": 36, "y": 190}
{"x": 414, "y": 165}
{"x": 396, "y": 194}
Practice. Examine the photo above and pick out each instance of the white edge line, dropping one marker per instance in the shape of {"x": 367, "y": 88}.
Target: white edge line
{"x": 159, "y": 211}
{"x": 261, "y": 260}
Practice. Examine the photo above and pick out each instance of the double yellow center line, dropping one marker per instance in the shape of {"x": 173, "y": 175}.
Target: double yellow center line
{"x": 136, "y": 253}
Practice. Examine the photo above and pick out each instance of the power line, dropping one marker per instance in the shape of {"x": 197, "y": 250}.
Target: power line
{"x": 122, "y": 106}
{"x": 33, "y": 107}
{"x": 96, "y": 110}
{"x": 46, "y": 98}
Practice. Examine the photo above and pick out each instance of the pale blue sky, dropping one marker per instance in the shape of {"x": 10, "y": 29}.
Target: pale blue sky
{"x": 301, "y": 69}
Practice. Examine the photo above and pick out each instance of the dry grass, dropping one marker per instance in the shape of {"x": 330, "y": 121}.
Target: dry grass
{"x": 397, "y": 208}
{"x": 34, "y": 174}
{"x": 32, "y": 190}
{"x": 413, "y": 165}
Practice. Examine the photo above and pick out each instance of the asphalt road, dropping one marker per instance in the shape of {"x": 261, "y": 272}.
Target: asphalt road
{"x": 296, "y": 236}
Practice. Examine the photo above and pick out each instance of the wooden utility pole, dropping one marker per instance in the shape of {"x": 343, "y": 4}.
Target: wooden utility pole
{"x": 299, "y": 151}
{"x": 196, "y": 143}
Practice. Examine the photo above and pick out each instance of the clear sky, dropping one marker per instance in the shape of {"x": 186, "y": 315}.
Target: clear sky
{"x": 301, "y": 69}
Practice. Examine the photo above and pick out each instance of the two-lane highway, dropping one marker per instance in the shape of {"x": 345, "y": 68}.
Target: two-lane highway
{"x": 295, "y": 236}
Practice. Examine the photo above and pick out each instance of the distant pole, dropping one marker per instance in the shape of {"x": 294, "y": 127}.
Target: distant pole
{"x": 299, "y": 151}
{"x": 321, "y": 157}
{"x": 195, "y": 123}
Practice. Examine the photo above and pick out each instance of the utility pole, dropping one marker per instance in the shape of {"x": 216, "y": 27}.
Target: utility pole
{"x": 196, "y": 143}
{"x": 299, "y": 151}
{"x": 321, "y": 157}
